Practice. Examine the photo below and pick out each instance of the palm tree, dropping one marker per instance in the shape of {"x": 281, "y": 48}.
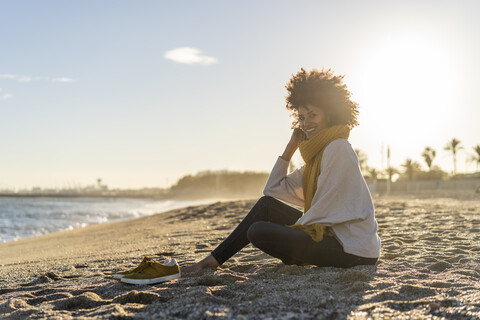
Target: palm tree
{"x": 476, "y": 157}
{"x": 390, "y": 171}
{"x": 428, "y": 155}
{"x": 362, "y": 159}
{"x": 453, "y": 146}
{"x": 373, "y": 173}
{"x": 411, "y": 167}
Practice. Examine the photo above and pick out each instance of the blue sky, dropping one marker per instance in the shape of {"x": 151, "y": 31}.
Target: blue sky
{"x": 86, "y": 90}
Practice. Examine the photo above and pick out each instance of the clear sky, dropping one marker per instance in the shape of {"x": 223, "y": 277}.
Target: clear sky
{"x": 140, "y": 93}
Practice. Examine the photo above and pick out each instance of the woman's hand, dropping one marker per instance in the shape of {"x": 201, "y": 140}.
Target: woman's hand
{"x": 297, "y": 136}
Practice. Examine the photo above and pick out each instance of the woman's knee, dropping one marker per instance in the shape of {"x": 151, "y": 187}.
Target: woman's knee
{"x": 262, "y": 207}
{"x": 266, "y": 200}
{"x": 255, "y": 231}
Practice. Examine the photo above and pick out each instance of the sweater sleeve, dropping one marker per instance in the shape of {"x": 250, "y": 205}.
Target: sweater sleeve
{"x": 285, "y": 187}
{"x": 342, "y": 195}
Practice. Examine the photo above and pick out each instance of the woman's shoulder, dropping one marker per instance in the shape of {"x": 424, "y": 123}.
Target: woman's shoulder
{"x": 339, "y": 145}
{"x": 340, "y": 150}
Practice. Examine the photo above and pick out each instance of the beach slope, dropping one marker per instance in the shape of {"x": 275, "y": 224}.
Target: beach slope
{"x": 429, "y": 268}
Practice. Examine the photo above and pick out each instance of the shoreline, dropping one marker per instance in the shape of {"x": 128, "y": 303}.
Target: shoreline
{"x": 429, "y": 268}
{"x": 35, "y": 216}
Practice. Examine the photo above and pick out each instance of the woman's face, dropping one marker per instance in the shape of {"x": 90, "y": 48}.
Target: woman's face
{"x": 312, "y": 119}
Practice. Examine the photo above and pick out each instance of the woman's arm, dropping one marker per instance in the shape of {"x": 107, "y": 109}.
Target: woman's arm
{"x": 292, "y": 146}
{"x": 285, "y": 187}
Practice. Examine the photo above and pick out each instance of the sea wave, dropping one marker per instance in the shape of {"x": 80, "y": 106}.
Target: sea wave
{"x": 22, "y": 217}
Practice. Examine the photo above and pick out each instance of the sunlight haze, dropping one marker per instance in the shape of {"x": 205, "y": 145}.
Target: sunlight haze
{"x": 142, "y": 93}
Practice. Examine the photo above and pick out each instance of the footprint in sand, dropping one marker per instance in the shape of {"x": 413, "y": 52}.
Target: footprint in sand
{"x": 165, "y": 253}
{"x": 439, "y": 266}
{"x": 47, "y": 277}
{"x": 219, "y": 279}
{"x": 51, "y": 297}
{"x": 416, "y": 291}
{"x": 244, "y": 268}
{"x": 86, "y": 300}
{"x": 12, "y": 305}
{"x": 404, "y": 293}
{"x": 139, "y": 297}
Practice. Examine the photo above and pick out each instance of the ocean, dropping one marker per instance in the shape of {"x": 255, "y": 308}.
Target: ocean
{"x": 22, "y": 217}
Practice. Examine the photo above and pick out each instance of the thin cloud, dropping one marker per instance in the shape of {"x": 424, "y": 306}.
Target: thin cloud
{"x": 188, "y": 55}
{"x": 22, "y": 78}
{"x": 62, "y": 79}
{"x": 7, "y": 76}
{"x": 4, "y": 96}
{"x": 26, "y": 79}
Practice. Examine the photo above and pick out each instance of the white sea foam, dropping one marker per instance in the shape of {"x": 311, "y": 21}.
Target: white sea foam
{"x": 27, "y": 217}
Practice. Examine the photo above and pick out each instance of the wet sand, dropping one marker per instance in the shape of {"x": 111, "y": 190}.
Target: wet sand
{"x": 429, "y": 269}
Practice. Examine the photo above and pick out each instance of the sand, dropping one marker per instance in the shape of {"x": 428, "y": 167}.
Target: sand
{"x": 429, "y": 269}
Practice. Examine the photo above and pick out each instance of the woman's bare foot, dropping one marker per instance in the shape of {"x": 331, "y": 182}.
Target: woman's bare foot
{"x": 208, "y": 262}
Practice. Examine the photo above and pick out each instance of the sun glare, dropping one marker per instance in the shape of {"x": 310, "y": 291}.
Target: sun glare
{"x": 407, "y": 84}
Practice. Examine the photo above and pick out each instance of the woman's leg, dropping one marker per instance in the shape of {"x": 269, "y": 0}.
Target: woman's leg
{"x": 297, "y": 247}
{"x": 266, "y": 209}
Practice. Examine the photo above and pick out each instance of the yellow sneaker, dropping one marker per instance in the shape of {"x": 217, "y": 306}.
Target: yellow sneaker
{"x": 154, "y": 272}
{"x": 142, "y": 264}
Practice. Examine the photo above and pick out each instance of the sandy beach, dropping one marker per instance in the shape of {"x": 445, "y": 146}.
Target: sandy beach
{"x": 429, "y": 269}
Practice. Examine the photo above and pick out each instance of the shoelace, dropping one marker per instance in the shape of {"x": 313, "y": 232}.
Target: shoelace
{"x": 146, "y": 265}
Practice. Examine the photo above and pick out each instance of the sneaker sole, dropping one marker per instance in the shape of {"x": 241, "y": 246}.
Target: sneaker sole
{"x": 150, "y": 281}
{"x": 118, "y": 276}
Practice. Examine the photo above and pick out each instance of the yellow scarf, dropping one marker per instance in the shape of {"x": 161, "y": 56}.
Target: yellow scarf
{"x": 312, "y": 152}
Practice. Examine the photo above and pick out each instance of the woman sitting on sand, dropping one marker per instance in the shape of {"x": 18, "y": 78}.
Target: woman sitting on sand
{"x": 337, "y": 226}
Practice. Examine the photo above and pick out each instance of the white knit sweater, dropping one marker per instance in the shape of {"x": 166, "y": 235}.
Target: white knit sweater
{"x": 342, "y": 200}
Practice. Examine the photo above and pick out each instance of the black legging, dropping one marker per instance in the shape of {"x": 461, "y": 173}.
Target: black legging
{"x": 265, "y": 227}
